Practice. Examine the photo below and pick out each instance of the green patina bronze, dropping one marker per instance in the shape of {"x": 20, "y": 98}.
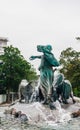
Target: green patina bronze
{"x": 63, "y": 88}
{"x": 48, "y": 61}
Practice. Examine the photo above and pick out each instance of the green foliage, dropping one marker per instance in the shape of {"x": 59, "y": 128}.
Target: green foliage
{"x": 70, "y": 60}
{"x": 76, "y": 91}
{"x": 14, "y": 69}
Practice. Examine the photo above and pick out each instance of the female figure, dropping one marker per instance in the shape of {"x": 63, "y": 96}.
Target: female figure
{"x": 48, "y": 61}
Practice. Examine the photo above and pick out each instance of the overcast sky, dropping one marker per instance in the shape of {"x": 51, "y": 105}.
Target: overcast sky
{"x": 27, "y": 23}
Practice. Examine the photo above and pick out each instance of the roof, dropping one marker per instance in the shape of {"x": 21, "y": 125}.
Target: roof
{"x": 3, "y": 39}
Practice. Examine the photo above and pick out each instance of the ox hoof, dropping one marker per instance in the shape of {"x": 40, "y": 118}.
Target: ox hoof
{"x": 74, "y": 101}
{"x": 52, "y": 106}
{"x": 65, "y": 102}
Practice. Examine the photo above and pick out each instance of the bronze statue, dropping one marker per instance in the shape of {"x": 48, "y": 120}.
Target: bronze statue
{"x": 62, "y": 89}
{"x": 48, "y": 61}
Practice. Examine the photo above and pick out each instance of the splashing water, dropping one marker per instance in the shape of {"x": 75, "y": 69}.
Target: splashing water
{"x": 61, "y": 116}
{"x": 39, "y": 113}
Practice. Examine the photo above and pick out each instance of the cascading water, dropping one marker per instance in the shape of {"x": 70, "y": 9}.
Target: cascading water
{"x": 39, "y": 113}
{"x": 57, "y": 116}
{"x": 41, "y": 116}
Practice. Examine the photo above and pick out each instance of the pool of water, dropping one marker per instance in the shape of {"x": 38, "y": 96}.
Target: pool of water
{"x": 11, "y": 124}
{"x": 74, "y": 124}
{"x": 42, "y": 118}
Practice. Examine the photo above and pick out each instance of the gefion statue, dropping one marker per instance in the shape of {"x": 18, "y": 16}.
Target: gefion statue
{"x": 48, "y": 61}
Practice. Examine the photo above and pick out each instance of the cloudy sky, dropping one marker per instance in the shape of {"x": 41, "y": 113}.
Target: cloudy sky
{"x": 27, "y": 23}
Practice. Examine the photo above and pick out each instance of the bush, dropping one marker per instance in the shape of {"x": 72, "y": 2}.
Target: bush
{"x": 2, "y": 91}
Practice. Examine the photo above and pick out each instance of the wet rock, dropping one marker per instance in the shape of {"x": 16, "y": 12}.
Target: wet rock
{"x": 23, "y": 118}
{"x": 40, "y": 115}
{"x": 17, "y": 114}
{"x": 10, "y": 111}
{"x": 76, "y": 114}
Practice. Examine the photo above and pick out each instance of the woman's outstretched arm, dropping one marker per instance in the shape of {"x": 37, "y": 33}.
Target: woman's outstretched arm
{"x": 34, "y": 57}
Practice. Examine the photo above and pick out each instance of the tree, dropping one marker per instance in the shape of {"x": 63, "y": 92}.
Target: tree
{"x": 70, "y": 60}
{"x": 14, "y": 69}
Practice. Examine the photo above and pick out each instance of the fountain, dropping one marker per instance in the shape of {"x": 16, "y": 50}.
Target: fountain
{"x": 55, "y": 110}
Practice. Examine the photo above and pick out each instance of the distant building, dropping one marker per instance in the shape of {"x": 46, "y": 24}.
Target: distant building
{"x": 3, "y": 43}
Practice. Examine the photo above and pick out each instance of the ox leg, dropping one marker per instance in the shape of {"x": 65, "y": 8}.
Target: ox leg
{"x": 71, "y": 95}
{"x": 64, "y": 100}
{"x": 26, "y": 99}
